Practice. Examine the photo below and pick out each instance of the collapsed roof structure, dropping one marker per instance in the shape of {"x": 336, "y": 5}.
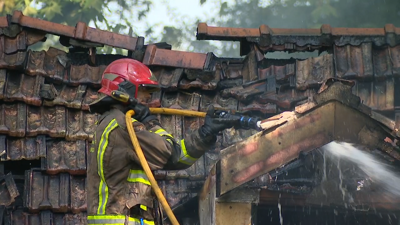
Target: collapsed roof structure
{"x": 46, "y": 128}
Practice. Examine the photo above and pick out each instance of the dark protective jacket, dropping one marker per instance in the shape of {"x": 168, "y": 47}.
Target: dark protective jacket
{"x": 119, "y": 191}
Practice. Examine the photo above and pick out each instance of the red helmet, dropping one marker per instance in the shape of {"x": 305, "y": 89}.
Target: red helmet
{"x": 122, "y": 70}
{"x": 125, "y": 75}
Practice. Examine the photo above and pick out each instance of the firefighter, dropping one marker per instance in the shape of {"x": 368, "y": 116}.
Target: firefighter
{"x": 119, "y": 191}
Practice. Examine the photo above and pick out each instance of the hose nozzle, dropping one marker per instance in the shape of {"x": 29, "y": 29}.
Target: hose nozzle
{"x": 243, "y": 122}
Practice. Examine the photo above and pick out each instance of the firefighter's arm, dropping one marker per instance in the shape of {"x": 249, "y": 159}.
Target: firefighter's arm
{"x": 180, "y": 156}
{"x": 159, "y": 143}
{"x": 188, "y": 150}
{"x": 162, "y": 151}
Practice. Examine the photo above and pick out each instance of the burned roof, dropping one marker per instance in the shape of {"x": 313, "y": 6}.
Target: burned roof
{"x": 256, "y": 170}
{"x": 45, "y": 125}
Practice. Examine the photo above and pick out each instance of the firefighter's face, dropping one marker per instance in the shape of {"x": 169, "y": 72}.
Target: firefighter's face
{"x": 143, "y": 95}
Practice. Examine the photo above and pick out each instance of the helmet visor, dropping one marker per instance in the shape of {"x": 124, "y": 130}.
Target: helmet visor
{"x": 150, "y": 88}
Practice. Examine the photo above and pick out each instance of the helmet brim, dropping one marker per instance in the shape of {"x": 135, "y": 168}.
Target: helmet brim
{"x": 96, "y": 103}
{"x": 151, "y": 87}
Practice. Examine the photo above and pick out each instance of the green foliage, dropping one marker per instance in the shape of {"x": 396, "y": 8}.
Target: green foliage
{"x": 91, "y": 12}
{"x": 121, "y": 16}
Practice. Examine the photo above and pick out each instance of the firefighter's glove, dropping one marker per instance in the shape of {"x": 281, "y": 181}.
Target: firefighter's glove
{"x": 142, "y": 112}
{"x": 213, "y": 124}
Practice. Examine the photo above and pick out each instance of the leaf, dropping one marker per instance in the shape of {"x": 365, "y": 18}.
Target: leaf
{"x": 202, "y": 2}
{"x": 30, "y": 11}
{"x": 51, "y": 11}
{"x": 95, "y": 4}
{"x": 223, "y": 10}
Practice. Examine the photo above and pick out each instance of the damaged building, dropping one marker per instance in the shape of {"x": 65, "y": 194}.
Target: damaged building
{"x": 280, "y": 175}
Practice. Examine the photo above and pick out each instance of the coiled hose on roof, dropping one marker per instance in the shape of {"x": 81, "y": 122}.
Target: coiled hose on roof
{"x": 142, "y": 158}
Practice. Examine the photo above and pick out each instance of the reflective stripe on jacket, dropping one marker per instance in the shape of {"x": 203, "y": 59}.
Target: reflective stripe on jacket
{"x": 117, "y": 185}
{"x": 116, "y": 220}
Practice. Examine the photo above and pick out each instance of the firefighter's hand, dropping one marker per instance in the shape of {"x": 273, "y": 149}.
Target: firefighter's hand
{"x": 141, "y": 112}
{"x": 213, "y": 125}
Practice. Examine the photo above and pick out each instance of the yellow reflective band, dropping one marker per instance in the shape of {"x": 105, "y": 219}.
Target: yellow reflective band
{"x": 137, "y": 221}
{"x": 185, "y": 158}
{"x": 115, "y": 220}
{"x": 138, "y": 176}
{"x": 143, "y": 207}
{"x": 163, "y": 132}
{"x": 103, "y": 189}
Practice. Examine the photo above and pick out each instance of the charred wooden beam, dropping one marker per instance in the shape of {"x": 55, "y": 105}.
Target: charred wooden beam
{"x": 335, "y": 114}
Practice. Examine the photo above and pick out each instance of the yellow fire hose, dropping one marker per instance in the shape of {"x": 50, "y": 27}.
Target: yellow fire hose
{"x": 142, "y": 159}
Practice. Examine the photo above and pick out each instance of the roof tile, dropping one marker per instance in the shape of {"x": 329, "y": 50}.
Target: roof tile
{"x": 8, "y": 190}
{"x": 90, "y": 96}
{"x": 45, "y": 192}
{"x": 58, "y": 193}
{"x": 155, "y": 100}
{"x": 65, "y": 156}
{"x": 3, "y": 21}
{"x": 44, "y": 218}
{"x": 173, "y": 125}
{"x": 12, "y": 45}
{"x": 13, "y": 119}
{"x": 80, "y": 125}
{"x": 54, "y": 64}
{"x": 281, "y": 73}
{"x": 265, "y": 108}
{"x": 69, "y": 96}
{"x": 218, "y": 102}
{"x": 168, "y": 78}
{"x": 250, "y": 69}
{"x": 286, "y": 99}
{"x": 78, "y": 194}
{"x": 3, "y": 80}
{"x": 300, "y": 39}
{"x": 205, "y": 76}
{"x": 382, "y": 63}
{"x": 35, "y": 63}
{"x": 310, "y": 73}
{"x": 181, "y": 100}
{"x": 23, "y": 148}
{"x": 378, "y": 95}
{"x": 364, "y": 91}
{"x": 395, "y": 58}
{"x": 186, "y": 84}
{"x": 86, "y": 74}
{"x": 231, "y": 70}
{"x": 230, "y": 83}
{"x": 57, "y": 156}
{"x": 245, "y": 93}
{"x": 80, "y": 32}
{"x": 46, "y": 120}
{"x": 163, "y": 57}
{"x": 25, "y": 88}
{"x": 20, "y": 42}
{"x": 205, "y": 80}
{"x": 354, "y": 61}
{"x": 14, "y": 61}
